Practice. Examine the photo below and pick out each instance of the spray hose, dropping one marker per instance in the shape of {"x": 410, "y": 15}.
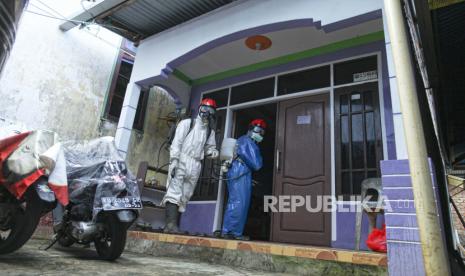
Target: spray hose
{"x": 225, "y": 179}
{"x": 215, "y": 177}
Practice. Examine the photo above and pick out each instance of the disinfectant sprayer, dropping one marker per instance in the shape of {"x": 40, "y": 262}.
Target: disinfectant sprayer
{"x": 228, "y": 153}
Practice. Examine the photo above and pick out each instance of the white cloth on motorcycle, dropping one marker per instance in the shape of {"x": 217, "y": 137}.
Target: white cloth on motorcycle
{"x": 26, "y": 159}
{"x": 35, "y": 154}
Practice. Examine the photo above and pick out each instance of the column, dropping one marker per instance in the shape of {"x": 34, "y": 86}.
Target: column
{"x": 401, "y": 150}
{"x": 126, "y": 119}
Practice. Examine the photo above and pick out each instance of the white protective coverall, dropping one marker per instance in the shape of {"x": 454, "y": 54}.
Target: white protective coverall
{"x": 189, "y": 148}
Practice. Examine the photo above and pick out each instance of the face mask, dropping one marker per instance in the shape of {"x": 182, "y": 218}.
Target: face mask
{"x": 205, "y": 112}
{"x": 204, "y": 116}
{"x": 256, "y": 137}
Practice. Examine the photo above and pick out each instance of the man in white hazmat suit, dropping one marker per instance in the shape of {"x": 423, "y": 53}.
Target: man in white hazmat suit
{"x": 192, "y": 141}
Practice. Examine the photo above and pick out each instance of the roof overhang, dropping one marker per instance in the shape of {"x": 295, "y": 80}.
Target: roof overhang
{"x": 138, "y": 19}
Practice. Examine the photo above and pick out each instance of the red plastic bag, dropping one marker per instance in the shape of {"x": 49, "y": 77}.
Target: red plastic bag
{"x": 376, "y": 240}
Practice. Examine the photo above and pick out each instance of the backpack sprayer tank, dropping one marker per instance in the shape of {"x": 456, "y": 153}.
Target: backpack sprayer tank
{"x": 228, "y": 153}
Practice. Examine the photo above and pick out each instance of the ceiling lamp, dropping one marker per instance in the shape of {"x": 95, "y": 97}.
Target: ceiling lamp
{"x": 258, "y": 42}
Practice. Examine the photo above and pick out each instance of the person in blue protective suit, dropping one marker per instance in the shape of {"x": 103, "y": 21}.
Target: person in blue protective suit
{"x": 239, "y": 178}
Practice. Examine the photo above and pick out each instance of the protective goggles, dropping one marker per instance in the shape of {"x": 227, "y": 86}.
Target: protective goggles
{"x": 258, "y": 130}
{"x": 207, "y": 109}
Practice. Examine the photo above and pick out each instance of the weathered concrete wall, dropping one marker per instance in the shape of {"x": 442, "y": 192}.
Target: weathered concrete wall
{"x": 55, "y": 80}
{"x": 144, "y": 146}
{"x": 58, "y": 81}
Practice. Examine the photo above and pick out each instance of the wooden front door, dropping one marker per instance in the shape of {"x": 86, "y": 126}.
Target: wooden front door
{"x": 303, "y": 168}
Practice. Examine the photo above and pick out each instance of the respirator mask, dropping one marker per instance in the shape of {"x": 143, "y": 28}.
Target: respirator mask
{"x": 256, "y": 137}
{"x": 206, "y": 113}
{"x": 257, "y": 133}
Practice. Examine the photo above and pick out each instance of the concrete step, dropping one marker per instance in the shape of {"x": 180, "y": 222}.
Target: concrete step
{"x": 260, "y": 256}
{"x": 263, "y": 256}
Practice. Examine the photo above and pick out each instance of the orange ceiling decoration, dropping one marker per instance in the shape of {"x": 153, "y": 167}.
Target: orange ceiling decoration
{"x": 258, "y": 42}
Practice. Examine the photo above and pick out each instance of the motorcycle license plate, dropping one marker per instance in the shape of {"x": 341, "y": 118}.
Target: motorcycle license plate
{"x": 118, "y": 203}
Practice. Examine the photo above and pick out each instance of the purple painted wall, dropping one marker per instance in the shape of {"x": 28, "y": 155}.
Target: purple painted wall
{"x": 345, "y": 227}
{"x": 198, "y": 218}
{"x": 404, "y": 248}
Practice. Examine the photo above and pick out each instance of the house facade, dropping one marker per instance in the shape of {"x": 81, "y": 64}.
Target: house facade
{"x": 321, "y": 74}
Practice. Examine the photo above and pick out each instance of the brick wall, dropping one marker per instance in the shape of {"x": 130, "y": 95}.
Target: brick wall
{"x": 459, "y": 200}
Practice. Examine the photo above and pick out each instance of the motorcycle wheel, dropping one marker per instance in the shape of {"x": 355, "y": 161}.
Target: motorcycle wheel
{"x": 23, "y": 225}
{"x": 111, "y": 245}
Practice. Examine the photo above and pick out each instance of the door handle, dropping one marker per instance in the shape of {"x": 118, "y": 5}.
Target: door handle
{"x": 278, "y": 160}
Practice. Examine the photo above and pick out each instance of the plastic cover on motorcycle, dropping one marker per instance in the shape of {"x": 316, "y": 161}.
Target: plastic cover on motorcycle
{"x": 98, "y": 175}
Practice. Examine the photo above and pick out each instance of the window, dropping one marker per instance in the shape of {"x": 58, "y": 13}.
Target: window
{"x": 355, "y": 70}
{"x": 119, "y": 89}
{"x": 139, "y": 119}
{"x": 304, "y": 80}
{"x": 120, "y": 81}
{"x": 220, "y": 96}
{"x": 252, "y": 91}
{"x": 358, "y": 137}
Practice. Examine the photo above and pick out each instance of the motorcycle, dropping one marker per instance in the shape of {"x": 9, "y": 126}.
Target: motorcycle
{"x": 104, "y": 198}
{"x": 27, "y": 174}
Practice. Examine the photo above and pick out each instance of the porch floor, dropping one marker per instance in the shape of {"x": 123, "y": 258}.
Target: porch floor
{"x": 269, "y": 248}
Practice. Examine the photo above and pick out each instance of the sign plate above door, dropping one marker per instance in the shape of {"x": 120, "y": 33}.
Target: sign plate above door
{"x": 369, "y": 75}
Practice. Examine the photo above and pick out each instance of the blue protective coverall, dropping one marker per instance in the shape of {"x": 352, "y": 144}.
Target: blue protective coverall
{"x": 240, "y": 185}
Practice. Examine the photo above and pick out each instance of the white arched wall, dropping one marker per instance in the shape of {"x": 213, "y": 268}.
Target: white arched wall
{"x": 158, "y": 50}
{"x": 179, "y": 90}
